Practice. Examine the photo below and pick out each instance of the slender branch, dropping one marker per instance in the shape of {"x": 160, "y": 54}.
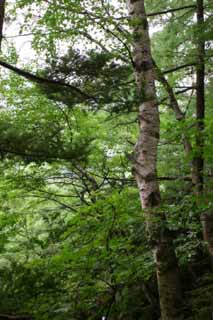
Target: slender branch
{"x": 13, "y": 317}
{"x": 83, "y": 33}
{"x": 174, "y": 105}
{"x": 185, "y": 90}
{"x": 179, "y": 67}
{"x": 173, "y": 101}
{"x": 19, "y": 35}
{"x": 62, "y": 204}
{"x": 152, "y": 14}
{"x": 88, "y": 176}
{"x": 176, "y": 93}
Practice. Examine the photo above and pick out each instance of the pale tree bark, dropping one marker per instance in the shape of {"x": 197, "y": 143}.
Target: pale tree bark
{"x": 145, "y": 166}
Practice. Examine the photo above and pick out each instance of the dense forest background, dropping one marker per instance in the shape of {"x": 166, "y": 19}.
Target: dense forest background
{"x": 80, "y": 153}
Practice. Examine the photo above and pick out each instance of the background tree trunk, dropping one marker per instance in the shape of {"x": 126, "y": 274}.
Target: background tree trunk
{"x": 198, "y": 161}
{"x": 2, "y": 12}
{"x": 145, "y": 166}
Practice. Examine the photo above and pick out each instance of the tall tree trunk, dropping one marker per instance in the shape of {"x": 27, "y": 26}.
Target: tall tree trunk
{"x": 145, "y": 166}
{"x": 198, "y": 161}
{"x": 2, "y": 12}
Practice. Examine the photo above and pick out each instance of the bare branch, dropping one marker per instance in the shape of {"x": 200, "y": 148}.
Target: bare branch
{"x": 173, "y": 101}
{"x": 179, "y": 67}
{"x": 152, "y": 14}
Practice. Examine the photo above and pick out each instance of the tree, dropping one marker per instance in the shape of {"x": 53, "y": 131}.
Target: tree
{"x": 2, "y": 11}
{"x": 145, "y": 167}
{"x": 73, "y": 233}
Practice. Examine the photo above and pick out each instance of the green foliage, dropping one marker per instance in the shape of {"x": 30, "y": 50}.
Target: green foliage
{"x": 73, "y": 242}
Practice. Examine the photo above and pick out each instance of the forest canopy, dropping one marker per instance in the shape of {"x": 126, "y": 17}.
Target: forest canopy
{"x": 106, "y": 134}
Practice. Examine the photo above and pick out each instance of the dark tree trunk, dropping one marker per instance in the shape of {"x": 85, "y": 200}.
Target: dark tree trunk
{"x": 145, "y": 166}
{"x": 198, "y": 161}
{"x": 14, "y": 317}
{"x": 207, "y": 224}
{"x": 2, "y": 12}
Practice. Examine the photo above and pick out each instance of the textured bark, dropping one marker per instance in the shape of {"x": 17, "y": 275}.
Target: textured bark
{"x": 145, "y": 164}
{"x": 2, "y": 12}
{"x": 207, "y": 224}
{"x": 198, "y": 161}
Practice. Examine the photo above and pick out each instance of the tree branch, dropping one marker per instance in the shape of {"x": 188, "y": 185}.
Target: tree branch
{"x": 34, "y": 78}
{"x": 173, "y": 101}
{"x": 179, "y": 67}
{"x": 35, "y": 155}
{"x": 152, "y": 14}
{"x": 185, "y": 90}
{"x": 13, "y": 317}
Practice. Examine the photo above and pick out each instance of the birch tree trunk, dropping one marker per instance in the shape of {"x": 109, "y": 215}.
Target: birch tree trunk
{"x": 145, "y": 166}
